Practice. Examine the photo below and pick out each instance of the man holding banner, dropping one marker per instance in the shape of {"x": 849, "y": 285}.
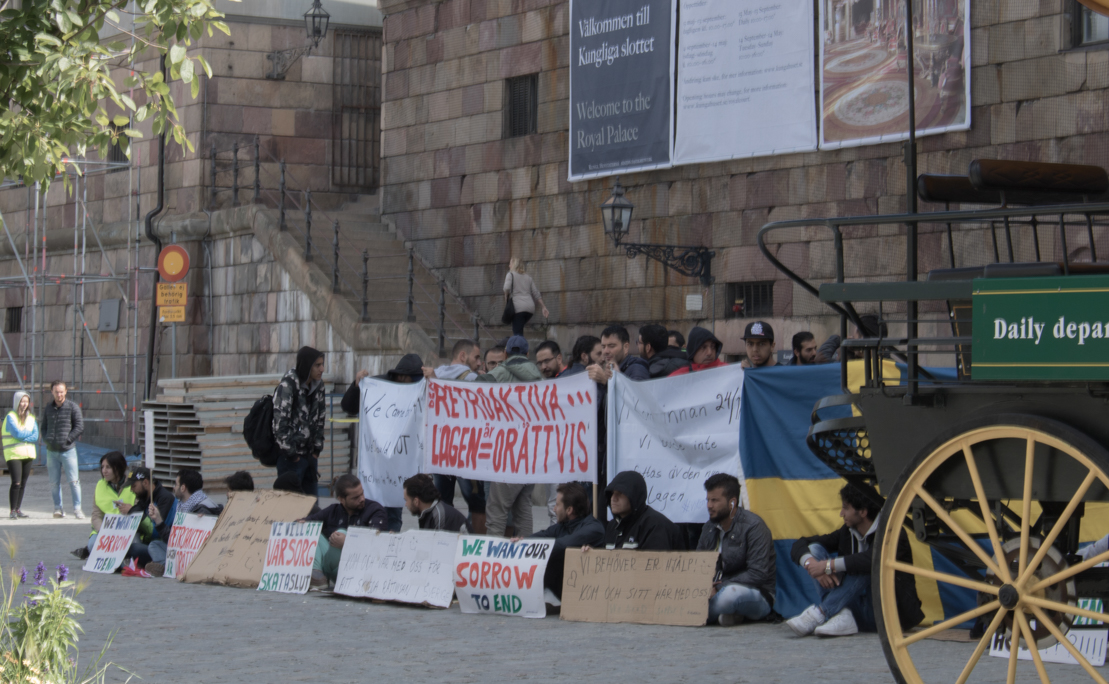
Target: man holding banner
{"x": 635, "y": 525}
{"x": 575, "y": 528}
{"x": 353, "y": 510}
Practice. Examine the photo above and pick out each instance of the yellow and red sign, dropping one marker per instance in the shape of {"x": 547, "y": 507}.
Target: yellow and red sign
{"x": 173, "y": 263}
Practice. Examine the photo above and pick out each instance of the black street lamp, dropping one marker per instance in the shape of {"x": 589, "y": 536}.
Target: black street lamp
{"x": 316, "y": 20}
{"x": 695, "y": 262}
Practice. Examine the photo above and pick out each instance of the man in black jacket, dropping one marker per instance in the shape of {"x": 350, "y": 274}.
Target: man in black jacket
{"x": 353, "y": 510}
{"x": 662, "y": 359}
{"x": 846, "y": 606}
{"x": 635, "y": 525}
{"x": 148, "y": 492}
{"x": 61, "y": 426}
{"x": 575, "y": 528}
{"x": 743, "y": 588}
{"x": 421, "y": 498}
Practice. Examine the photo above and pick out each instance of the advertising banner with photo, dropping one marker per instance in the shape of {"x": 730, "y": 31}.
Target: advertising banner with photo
{"x": 676, "y": 433}
{"x": 745, "y": 80}
{"x": 498, "y": 576}
{"x": 523, "y": 432}
{"x": 189, "y": 533}
{"x": 414, "y": 567}
{"x": 113, "y": 541}
{"x": 621, "y": 86}
{"x": 864, "y": 87}
{"x": 390, "y": 437}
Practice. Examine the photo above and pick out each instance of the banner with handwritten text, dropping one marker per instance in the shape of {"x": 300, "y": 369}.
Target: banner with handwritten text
{"x": 189, "y": 533}
{"x": 414, "y": 567}
{"x": 290, "y": 553}
{"x": 495, "y": 575}
{"x": 113, "y": 541}
{"x": 677, "y": 432}
{"x": 523, "y": 432}
{"x": 390, "y": 437}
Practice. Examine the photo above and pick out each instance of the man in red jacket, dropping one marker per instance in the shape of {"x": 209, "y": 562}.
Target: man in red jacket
{"x": 703, "y": 350}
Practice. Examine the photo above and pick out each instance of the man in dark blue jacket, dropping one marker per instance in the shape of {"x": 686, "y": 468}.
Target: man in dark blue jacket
{"x": 575, "y": 528}
{"x": 353, "y": 510}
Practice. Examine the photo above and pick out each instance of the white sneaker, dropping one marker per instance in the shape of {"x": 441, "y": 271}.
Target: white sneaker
{"x": 841, "y": 624}
{"x": 806, "y": 622}
{"x": 78, "y": 514}
{"x": 59, "y": 513}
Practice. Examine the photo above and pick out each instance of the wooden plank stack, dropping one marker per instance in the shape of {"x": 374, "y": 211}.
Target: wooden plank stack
{"x": 198, "y": 423}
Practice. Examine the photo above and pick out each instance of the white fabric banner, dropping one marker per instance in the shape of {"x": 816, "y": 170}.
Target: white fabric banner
{"x": 414, "y": 567}
{"x": 498, "y": 576}
{"x": 390, "y": 437}
{"x": 523, "y": 432}
{"x": 677, "y": 432}
{"x": 746, "y": 84}
{"x": 112, "y": 542}
{"x": 189, "y": 533}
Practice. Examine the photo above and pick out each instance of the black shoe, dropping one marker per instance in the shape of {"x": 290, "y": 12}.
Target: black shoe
{"x": 21, "y": 514}
{"x": 81, "y": 553}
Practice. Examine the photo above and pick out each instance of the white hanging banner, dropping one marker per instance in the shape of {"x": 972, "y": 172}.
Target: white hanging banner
{"x": 414, "y": 567}
{"x": 390, "y": 437}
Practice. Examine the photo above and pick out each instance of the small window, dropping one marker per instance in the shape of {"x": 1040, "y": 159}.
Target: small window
{"x": 750, "y": 300}
{"x": 13, "y": 322}
{"x": 1090, "y": 28}
{"x": 521, "y": 106}
{"x": 115, "y": 152}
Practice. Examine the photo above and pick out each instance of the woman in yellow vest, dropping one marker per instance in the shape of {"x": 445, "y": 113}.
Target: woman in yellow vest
{"x": 111, "y": 488}
{"x": 20, "y": 434}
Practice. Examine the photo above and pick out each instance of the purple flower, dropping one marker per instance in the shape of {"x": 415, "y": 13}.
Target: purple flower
{"x": 23, "y": 575}
{"x": 40, "y": 574}
{"x": 63, "y": 572}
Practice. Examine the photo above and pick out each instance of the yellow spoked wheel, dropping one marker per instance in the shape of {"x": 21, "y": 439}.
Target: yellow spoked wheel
{"x": 1027, "y": 589}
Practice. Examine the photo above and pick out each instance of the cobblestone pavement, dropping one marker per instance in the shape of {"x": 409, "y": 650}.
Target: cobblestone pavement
{"x": 167, "y": 631}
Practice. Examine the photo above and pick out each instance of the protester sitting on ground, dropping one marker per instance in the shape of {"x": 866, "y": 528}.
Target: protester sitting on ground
{"x": 844, "y": 582}
{"x": 494, "y": 356}
{"x": 662, "y": 359}
{"x": 758, "y": 339}
{"x": 189, "y": 497}
{"x": 615, "y": 345}
{"x": 299, "y": 413}
{"x": 111, "y": 488}
{"x": 352, "y": 510}
{"x": 149, "y": 492}
{"x": 676, "y": 340}
{"x": 804, "y": 349}
{"x": 574, "y": 528}
{"x": 743, "y": 587}
{"x": 635, "y": 525}
{"x": 21, "y": 435}
{"x": 421, "y": 498}
{"x": 703, "y": 352}
{"x": 548, "y": 357}
{"x": 289, "y": 483}
{"x": 587, "y": 351}
{"x": 240, "y": 481}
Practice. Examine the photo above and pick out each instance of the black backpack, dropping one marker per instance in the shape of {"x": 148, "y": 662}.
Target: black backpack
{"x": 258, "y": 432}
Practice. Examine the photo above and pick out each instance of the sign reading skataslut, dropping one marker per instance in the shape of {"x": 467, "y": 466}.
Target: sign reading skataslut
{"x": 1041, "y": 328}
{"x": 525, "y": 432}
{"x": 390, "y": 438}
{"x": 621, "y": 86}
{"x": 289, "y": 556}
{"x": 112, "y": 542}
{"x": 495, "y": 575}
{"x": 190, "y": 531}
{"x": 414, "y": 567}
{"x": 676, "y": 432}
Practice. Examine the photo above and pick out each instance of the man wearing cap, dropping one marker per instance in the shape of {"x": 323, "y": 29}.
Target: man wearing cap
{"x": 759, "y": 340}
{"x": 703, "y": 351}
{"x": 299, "y": 412}
{"x": 148, "y": 492}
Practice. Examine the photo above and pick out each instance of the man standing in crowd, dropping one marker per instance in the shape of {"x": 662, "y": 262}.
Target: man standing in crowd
{"x": 703, "y": 352}
{"x": 635, "y": 525}
{"x": 188, "y": 497}
{"x": 61, "y": 426}
{"x": 504, "y": 496}
{"x": 574, "y": 528}
{"x": 353, "y": 510}
{"x": 464, "y": 366}
{"x": 846, "y": 605}
{"x": 494, "y": 357}
{"x": 587, "y": 352}
{"x": 615, "y": 345}
{"x": 676, "y": 340}
{"x": 299, "y": 411}
{"x": 743, "y": 587}
{"x": 662, "y": 359}
{"x": 548, "y": 357}
{"x": 421, "y": 498}
{"x": 759, "y": 340}
{"x": 804, "y": 349}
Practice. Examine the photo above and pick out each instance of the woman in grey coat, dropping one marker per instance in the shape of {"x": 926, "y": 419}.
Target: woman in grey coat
{"x": 519, "y": 286}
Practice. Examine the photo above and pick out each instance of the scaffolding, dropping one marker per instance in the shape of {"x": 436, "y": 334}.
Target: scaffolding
{"x": 112, "y": 399}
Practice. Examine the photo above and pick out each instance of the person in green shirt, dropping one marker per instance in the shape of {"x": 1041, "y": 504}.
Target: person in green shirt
{"x": 20, "y": 434}
{"x": 110, "y": 490}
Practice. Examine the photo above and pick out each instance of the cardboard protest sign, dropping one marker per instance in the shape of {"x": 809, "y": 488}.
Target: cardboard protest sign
{"x": 644, "y": 587}
{"x": 414, "y": 567}
{"x": 495, "y": 575}
{"x": 677, "y": 432}
{"x": 235, "y": 552}
{"x": 189, "y": 533}
{"x": 112, "y": 542}
{"x": 523, "y": 432}
{"x": 390, "y": 438}
{"x": 290, "y": 553}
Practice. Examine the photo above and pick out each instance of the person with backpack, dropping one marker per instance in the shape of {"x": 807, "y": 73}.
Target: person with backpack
{"x": 20, "y": 433}
{"x": 299, "y": 411}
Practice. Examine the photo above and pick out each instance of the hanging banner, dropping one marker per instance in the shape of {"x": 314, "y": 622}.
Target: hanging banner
{"x": 864, "y": 86}
{"x": 113, "y": 541}
{"x": 495, "y": 575}
{"x": 523, "y": 432}
{"x": 189, "y": 533}
{"x": 414, "y": 567}
{"x": 390, "y": 438}
{"x": 746, "y": 84}
{"x": 290, "y": 553}
{"x": 676, "y": 432}
{"x": 621, "y": 86}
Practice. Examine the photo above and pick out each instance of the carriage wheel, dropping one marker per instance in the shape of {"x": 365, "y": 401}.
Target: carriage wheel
{"x": 1028, "y": 589}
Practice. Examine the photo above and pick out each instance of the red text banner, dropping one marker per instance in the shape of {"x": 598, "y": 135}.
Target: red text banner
{"x": 189, "y": 533}
{"x": 290, "y": 554}
{"x": 526, "y": 432}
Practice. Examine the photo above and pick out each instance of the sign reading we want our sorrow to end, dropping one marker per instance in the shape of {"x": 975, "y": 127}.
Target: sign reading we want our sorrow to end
{"x": 494, "y": 575}
{"x": 524, "y": 432}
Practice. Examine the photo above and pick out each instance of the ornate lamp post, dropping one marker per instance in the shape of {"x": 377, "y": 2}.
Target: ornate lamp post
{"x": 315, "y": 24}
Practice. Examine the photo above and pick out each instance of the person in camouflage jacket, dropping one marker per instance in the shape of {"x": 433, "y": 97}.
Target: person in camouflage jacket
{"x": 299, "y": 410}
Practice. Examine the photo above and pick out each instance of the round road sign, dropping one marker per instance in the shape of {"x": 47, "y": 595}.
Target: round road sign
{"x": 173, "y": 263}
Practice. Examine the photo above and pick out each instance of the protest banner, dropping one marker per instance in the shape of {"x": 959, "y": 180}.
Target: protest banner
{"x": 235, "y": 552}
{"x": 414, "y": 567}
{"x": 112, "y": 542}
{"x": 290, "y": 553}
{"x": 522, "y": 432}
{"x": 1089, "y": 642}
{"x": 676, "y": 432}
{"x": 495, "y": 575}
{"x": 390, "y": 438}
{"x": 644, "y": 587}
{"x": 190, "y": 531}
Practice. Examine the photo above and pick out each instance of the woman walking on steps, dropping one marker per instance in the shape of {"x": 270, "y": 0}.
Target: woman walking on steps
{"x": 521, "y": 290}
{"x": 20, "y": 435}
